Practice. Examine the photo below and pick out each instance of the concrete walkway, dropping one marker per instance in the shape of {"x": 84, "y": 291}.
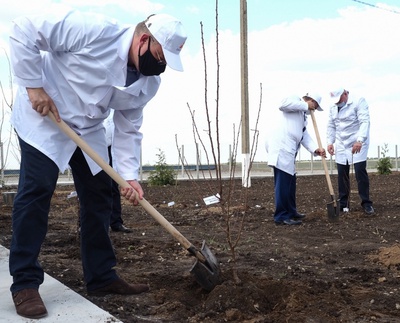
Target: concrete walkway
{"x": 62, "y": 303}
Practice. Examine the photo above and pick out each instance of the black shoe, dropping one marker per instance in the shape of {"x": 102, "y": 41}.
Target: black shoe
{"x": 289, "y": 222}
{"x": 369, "y": 210}
{"x": 299, "y": 216}
{"x": 121, "y": 228}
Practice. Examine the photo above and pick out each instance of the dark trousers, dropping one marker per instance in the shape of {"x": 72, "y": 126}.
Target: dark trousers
{"x": 116, "y": 218}
{"x": 360, "y": 170}
{"x": 37, "y": 182}
{"x": 285, "y": 195}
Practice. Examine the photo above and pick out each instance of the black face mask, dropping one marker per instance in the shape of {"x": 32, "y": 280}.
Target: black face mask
{"x": 148, "y": 65}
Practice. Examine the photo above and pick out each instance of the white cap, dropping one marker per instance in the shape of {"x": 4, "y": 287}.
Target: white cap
{"x": 316, "y": 97}
{"x": 335, "y": 95}
{"x": 168, "y": 31}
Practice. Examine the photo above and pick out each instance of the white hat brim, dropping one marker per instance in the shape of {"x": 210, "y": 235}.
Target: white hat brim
{"x": 173, "y": 60}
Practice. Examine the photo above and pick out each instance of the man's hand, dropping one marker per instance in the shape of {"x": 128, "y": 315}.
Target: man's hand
{"x": 331, "y": 149}
{"x": 42, "y": 102}
{"x": 312, "y": 105}
{"x": 133, "y": 193}
{"x": 321, "y": 152}
{"x": 356, "y": 147}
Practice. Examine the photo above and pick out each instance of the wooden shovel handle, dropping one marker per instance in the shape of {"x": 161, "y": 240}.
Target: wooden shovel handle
{"x": 123, "y": 183}
{"x": 328, "y": 179}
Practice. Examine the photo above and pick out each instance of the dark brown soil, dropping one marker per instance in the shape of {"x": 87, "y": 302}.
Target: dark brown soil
{"x": 348, "y": 271}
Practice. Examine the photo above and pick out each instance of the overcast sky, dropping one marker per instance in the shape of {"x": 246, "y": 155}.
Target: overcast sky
{"x": 293, "y": 47}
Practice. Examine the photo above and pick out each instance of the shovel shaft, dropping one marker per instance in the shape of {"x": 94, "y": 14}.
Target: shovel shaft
{"x": 123, "y": 183}
{"x": 328, "y": 179}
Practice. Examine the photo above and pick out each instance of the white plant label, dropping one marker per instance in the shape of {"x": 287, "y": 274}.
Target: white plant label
{"x": 213, "y": 199}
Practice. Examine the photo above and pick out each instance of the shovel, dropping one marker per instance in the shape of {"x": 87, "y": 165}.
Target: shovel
{"x": 332, "y": 207}
{"x": 206, "y": 268}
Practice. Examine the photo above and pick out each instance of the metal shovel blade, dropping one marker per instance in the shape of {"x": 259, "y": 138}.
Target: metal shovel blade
{"x": 207, "y": 274}
{"x": 333, "y": 211}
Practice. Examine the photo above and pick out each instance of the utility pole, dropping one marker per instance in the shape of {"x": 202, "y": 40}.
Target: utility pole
{"x": 246, "y": 181}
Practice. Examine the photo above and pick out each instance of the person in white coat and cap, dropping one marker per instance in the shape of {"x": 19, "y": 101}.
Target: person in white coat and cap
{"x": 79, "y": 66}
{"x": 348, "y": 130}
{"x": 282, "y": 145}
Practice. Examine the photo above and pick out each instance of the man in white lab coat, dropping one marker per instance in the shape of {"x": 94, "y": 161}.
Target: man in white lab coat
{"x": 348, "y": 130}
{"x": 78, "y": 66}
{"x": 282, "y": 145}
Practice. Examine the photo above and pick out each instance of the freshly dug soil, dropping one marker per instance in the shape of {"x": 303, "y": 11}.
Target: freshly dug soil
{"x": 321, "y": 271}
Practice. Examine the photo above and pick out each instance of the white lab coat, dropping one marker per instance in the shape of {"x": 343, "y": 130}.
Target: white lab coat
{"x": 347, "y": 126}
{"x": 109, "y": 126}
{"x": 81, "y": 62}
{"x": 286, "y": 135}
